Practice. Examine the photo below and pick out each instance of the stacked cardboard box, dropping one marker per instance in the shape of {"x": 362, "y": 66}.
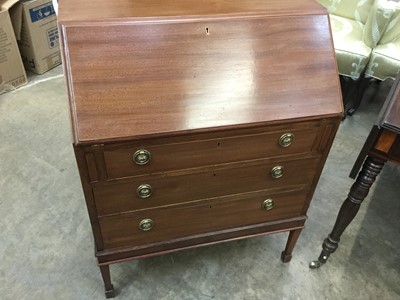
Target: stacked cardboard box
{"x": 39, "y": 44}
{"x": 12, "y": 73}
{"x": 31, "y": 27}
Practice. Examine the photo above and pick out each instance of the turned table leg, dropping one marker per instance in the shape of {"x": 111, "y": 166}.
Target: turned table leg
{"x": 292, "y": 239}
{"x": 105, "y": 273}
{"x": 359, "y": 190}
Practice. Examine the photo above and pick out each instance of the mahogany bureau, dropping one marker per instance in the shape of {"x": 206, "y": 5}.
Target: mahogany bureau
{"x": 197, "y": 122}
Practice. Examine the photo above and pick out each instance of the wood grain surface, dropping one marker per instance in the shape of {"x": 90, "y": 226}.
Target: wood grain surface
{"x": 208, "y": 87}
{"x": 95, "y": 10}
{"x": 174, "y": 156}
{"x": 199, "y": 240}
{"x": 167, "y": 190}
{"x": 170, "y": 223}
{"x": 133, "y": 80}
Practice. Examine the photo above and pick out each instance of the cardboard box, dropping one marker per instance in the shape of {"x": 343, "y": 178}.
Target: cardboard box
{"x": 39, "y": 43}
{"x": 12, "y": 73}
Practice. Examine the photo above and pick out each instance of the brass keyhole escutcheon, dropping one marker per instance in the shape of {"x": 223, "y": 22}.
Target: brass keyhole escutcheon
{"x": 146, "y": 224}
{"x": 276, "y": 172}
{"x": 144, "y": 190}
{"x": 141, "y": 157}
{"x": 268, "y": 204}
{"x": 286, "y": 139}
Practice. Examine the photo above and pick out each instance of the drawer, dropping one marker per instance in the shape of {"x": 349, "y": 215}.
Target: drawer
{"x": 171, "y": 223}
{"x": 120, "y": 162}
{"x": 122, "y": 197}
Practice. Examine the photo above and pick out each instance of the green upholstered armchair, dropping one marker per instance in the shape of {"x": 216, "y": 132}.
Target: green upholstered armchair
{"x": 357, "y": 27}
{"x": 385, "y": 57}
{"x": 353, "y": 38}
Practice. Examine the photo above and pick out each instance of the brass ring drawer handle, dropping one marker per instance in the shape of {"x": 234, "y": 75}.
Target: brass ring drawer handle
{"x": 276, "y": 172}
{"x": 144, "y": 190}
{"x": 286, "y": 139}
{"x": 146, "y": 224}
{"x": 141, "y": 157}
{"x": 268, "y": 204}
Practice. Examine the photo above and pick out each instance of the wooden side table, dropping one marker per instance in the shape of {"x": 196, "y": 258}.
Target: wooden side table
{"x": 382, "y": 145}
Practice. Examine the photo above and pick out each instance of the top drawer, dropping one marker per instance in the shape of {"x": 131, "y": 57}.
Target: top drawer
{"x": 157, "y": 156}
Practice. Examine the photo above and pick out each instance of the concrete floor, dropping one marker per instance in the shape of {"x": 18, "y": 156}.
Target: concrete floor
{"x": 46, "y": 244}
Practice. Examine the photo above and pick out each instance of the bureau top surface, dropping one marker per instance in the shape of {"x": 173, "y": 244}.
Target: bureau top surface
{"x": 98, "y": 10}
{"x": 129, "y": 80}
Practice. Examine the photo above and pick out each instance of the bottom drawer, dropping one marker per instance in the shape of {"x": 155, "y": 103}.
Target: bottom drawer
{"x": 206, "y": 216}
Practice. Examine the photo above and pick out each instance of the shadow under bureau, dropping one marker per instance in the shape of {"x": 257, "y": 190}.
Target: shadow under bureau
{"x": 197, "y": 122}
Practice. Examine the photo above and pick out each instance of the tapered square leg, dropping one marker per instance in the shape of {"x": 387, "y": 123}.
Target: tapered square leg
{"x": 291, "y": 242}
{"x": 109, "y": 288}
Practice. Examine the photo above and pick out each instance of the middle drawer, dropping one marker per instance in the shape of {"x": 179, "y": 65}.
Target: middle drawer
{"x": 153, "y": 191}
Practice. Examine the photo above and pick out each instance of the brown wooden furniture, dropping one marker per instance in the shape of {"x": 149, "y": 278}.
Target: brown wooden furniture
{"x": 197, "y": 122}
{"x": 382, "y": 144}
